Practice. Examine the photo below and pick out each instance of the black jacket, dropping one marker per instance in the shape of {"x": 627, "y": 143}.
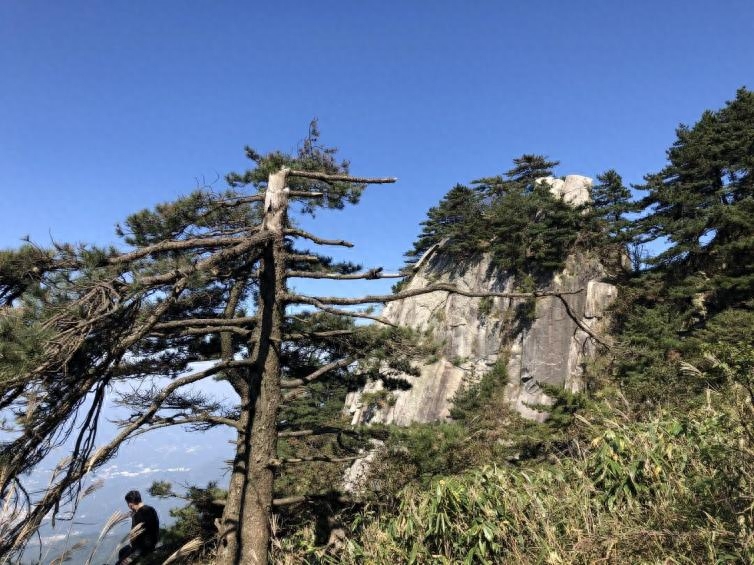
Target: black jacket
{"x": 145, "y": 541}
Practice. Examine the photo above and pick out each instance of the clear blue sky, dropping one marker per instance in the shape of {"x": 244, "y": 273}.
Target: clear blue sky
{"x": 107, "y": 107}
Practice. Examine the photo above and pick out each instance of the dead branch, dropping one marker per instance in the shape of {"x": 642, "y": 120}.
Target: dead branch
{"x": 316, "y": 239}
{"x": 290, "y": 500}
{"x": 322, "y": 458}
{"x": 307, "y": 433}
{"x": 581, "y": 325}
{"x": 300, "y": 299}
{"x": 245, "y": 321}
{"x": 304, "y": 258}
{"x": 294, "y": 383}
{"x": 371, "y": 274}
{"x": 237, "y": 201}
{"x": 305, "y": 194}
{"x": 439, "y": 287}
{"x": 319, "y": 431}
{"x": 340, "y": 178}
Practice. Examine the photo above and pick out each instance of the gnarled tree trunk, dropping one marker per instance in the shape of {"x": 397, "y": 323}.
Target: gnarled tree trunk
{"x": 246, "y": 519}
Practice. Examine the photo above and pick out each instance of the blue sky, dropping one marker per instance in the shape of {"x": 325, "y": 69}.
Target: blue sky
{"x": 109, "y": 107}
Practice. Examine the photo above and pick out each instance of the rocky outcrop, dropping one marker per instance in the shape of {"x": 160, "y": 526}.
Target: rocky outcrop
{"x": 573, "y": 190}
{"x": 546, "y": 343}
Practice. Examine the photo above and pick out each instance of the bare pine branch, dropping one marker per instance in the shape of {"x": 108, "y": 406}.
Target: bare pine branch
{"x": 294, "y": 383}
{"x": 316, "y": 239}
{"x": 439, "y": 287}
{"x": 340, "y": 178}
{"x": 371, "y": 274}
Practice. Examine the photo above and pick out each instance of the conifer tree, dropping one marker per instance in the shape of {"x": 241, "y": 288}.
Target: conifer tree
{"x": 609, "y": 231}
{"x": 611, "y": 199}
{"x": 458, "y": 220}
{"x": 522, "y": 177}
{"x": 702, "y": 201}
{"x": 531, "y": 230}
{"x": 205, "y": 280}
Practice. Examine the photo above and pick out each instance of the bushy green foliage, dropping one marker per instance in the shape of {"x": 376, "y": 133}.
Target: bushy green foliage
{"x": 21, "y": 339}
{"x": 609, "y": 231}
{"x": 533, "y": 231}
{"x": 653, "y": 482}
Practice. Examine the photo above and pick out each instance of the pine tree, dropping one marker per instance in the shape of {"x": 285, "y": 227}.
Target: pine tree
{"x": 181, "y": 294}
{"x": 611, "y": 200}
{"x": 457, "y": 220}
{"x": 522, "y": 177}
{"x": 703, "y": 200}
{"x": 609, "y": 231}
{"x": 701, "y": 205}
{"x": 533, "y": 231}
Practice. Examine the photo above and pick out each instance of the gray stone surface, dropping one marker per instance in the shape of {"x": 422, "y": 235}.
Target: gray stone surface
{"x": 575, "y": 189}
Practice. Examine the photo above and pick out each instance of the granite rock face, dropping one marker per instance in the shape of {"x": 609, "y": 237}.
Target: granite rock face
{"x": 549, "y": 345}
{"x": 574, "y": 189}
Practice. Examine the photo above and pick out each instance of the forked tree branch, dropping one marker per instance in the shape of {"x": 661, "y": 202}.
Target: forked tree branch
{"x": 184, "y": 420}
{"x": 176, "y": 245}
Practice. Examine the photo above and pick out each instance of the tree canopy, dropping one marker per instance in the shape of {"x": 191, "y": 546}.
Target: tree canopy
{"x": 512, "y": 216}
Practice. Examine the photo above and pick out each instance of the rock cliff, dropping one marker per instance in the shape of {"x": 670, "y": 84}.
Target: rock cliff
{"x": 541, "y": 344}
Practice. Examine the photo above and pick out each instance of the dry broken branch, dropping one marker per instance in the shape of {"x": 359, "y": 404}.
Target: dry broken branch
{"x": 340, "y": 178}
{"x": 294, "y": 383}
{"x": 439, "y": 287}
{"x": 371, "y": 274}
{"x": 316, "y": 239}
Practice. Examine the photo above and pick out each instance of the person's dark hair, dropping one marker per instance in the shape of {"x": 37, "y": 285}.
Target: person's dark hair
{"x": 133, "y": 497}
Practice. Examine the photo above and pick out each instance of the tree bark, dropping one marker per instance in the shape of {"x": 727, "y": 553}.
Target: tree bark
{"x": 246, "y": 518}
